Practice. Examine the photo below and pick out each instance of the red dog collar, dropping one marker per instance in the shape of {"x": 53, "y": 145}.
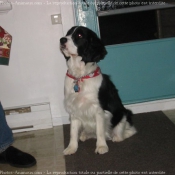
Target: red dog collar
{"x": 90, "y": 75}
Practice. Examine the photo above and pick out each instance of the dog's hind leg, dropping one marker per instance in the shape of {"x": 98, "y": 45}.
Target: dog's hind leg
{"x": 122, "y": 131}
{"x": 129, "y": 130}
{"x": 118, "y": 131}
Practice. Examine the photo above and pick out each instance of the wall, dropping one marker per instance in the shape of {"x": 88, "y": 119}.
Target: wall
{"x": 142, "y": 71}
{"x": 36, "y": 70}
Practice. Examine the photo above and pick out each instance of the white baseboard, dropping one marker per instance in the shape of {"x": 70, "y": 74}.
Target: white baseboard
{"x": 29, "y": 117}
{"x": 158, "y": 105}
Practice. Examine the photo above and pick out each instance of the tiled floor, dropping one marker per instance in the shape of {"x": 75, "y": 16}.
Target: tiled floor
{"x": 47, "y": 147}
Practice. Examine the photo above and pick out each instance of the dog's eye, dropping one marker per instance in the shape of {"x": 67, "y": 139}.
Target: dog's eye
{"x": 79, "y": 35}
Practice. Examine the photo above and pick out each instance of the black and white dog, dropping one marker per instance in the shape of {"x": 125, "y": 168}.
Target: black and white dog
{"x": 91, "y": 99}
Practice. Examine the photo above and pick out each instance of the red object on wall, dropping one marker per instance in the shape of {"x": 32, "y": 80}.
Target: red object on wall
{"x": 5, "y": 46}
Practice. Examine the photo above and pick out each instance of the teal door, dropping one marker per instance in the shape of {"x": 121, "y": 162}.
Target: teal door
{"x": 142, "y": 71}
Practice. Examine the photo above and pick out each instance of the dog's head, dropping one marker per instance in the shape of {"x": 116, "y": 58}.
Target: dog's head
{"x": 83, "y": 42}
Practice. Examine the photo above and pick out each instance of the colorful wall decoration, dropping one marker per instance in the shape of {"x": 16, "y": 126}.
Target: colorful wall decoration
{"x": 5, "y": 45}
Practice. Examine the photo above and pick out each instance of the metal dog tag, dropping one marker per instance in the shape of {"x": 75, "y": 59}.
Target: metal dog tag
{"x": 76, "y": 87}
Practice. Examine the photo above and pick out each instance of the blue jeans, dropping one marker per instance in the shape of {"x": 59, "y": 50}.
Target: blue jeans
{"x": 6, "y": 136}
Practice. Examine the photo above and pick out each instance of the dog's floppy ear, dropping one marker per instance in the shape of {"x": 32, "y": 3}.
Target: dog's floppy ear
{"x": 93, "y": 50}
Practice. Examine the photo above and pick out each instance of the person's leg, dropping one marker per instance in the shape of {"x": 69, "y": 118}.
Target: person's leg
{"x": 6, "y": 136}
{"x": 9, "y": 154}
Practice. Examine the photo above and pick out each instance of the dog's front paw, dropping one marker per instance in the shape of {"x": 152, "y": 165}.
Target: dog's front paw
{"x": 70, "y": 150}
{"x": 101, "y": 149}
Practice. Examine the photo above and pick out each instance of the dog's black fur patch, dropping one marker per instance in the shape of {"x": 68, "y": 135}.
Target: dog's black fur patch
{"x": 110, "y": 101}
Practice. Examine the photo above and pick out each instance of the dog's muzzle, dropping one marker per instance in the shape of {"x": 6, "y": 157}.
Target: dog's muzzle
{"x": 63, "y": 41}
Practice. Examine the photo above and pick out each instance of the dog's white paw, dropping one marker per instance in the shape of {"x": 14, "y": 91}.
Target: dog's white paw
{"x": 70, "y": 150}
{"x": 101, "y": 149}
{"x": 130, "y": 132}
{"x": 117, "y": 139}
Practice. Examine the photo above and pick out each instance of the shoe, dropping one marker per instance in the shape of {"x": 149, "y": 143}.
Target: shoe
{"x": 17, "y": 158}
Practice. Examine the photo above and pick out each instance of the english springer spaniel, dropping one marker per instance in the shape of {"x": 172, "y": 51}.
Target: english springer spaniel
{"x": 91, "y": 99}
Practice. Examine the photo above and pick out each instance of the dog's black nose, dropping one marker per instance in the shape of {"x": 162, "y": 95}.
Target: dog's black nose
{"x": 63, "y": 40}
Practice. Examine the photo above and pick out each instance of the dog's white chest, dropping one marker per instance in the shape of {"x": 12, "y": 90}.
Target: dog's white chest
{"x": 83, "y": 108}
{"x": 83, "y": 105}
